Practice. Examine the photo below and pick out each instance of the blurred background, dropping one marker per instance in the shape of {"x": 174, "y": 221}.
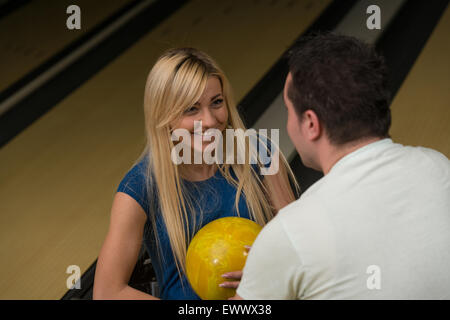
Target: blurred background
{"x": 71, "y": 106}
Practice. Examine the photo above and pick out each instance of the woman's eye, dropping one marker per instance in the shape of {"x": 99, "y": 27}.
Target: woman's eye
{"x": 190, "y": 110}
{"x": 217, "y": 102}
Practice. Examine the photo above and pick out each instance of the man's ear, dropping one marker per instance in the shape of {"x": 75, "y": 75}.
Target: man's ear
{"x": 311, "y": 125}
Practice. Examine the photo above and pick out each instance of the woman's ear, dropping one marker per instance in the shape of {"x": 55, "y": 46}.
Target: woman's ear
{"x": 173, "y": 125}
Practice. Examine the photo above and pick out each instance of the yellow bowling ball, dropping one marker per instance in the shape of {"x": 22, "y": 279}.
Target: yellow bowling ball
{"x": 217, "y": 248}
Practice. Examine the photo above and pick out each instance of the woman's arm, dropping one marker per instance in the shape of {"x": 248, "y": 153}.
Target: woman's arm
{"x": 120, "y": 251}
{"x": 279, "y": 188}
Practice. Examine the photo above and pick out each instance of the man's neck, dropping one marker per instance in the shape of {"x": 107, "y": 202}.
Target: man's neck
{"x": 332, "y": 154}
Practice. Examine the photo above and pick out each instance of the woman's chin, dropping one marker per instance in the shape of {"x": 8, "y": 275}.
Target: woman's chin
{"x": 201, "y": 148}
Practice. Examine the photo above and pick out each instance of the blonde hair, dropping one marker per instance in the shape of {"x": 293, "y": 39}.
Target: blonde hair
{"x": 175, "y": 83}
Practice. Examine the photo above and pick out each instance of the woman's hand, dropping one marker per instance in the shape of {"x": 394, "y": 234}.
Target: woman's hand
{"x": 235, "y": 276}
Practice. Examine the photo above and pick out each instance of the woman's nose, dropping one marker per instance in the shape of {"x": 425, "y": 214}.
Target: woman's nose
{"x": 208, "y": 119}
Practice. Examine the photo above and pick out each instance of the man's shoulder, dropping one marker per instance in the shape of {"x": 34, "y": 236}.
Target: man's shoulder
{"x": 303, "y": 215}
{"x": 434, "y": 156}
{"x": 430, "y": 163}
{"x": 308, "y": 226}
{"x": 311, "y": 199}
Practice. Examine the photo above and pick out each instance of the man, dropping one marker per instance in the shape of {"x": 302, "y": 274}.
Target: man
{"x": 377, "y": 225}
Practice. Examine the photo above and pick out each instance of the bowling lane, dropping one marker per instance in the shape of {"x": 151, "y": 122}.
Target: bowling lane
{"x": 59, "y": 176}
{"x": 37, "y": 31}
{"x": 420, "y": 110}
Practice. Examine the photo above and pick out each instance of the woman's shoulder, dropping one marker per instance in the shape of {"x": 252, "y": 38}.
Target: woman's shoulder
{"x": 136, "y": 183}
{"x": 136, "y": 174}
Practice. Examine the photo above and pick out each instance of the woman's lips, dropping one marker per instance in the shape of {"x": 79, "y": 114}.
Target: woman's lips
{"x": 206, "y": 136}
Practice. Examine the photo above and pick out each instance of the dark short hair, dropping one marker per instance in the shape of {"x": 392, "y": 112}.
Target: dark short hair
{"x": 344, "y": 81}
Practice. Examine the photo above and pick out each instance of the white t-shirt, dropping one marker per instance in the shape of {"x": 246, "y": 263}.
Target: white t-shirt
{"x": 377, "y": 226}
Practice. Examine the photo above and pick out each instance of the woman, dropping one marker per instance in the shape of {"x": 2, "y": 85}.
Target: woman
{"x": 164, "y": 204}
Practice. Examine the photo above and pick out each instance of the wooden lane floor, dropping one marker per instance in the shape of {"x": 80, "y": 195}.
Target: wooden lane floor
{"x": 421, "y": 108}
{"x": 37, "y": 31}
{"x": 58, "y": 177}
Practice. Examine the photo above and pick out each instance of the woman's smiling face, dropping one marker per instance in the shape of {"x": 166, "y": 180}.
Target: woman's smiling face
{"x": 210, "y": 109}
